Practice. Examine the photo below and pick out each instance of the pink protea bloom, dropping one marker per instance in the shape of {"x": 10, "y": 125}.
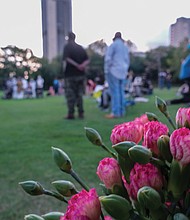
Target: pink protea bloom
{"x": 129, "y": 131}
{"x": 143, "y": 175}
{"x": 109, "y": 172}
{"x": 152, "y": 131}
{"x": 83, "y": 206}
{"x": 183, "y": 117}
{"x": 180, "y": 145}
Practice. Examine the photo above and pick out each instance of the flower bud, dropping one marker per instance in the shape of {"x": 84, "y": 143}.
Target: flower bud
{"x": 93, "y": 136}
{"x": 65, "y": 188}
{"x": 124, "y": 160}
{"x": 163, "y": 143}
{"x": 123, "y": 147}
{"x": 32, "y": 217}
{"x": 179, "y": 179}
{"x": 161, "y": 105}
{"x": 33, "y": 188}
{"x": 152, "y": 131}
{"x": 116, "y": 206}
{"x": 53, "y": 216}
{"x": 140, "y": 154}
{"x": 151, "y": 116}
{"x": 180, "y": 216}
{"x": 183, "y": 118}
{"x": 62, "y": 160}
{"x": 109, "y": 172}
{"x": 179, "y": 145}
{"x": 149, "y": 198}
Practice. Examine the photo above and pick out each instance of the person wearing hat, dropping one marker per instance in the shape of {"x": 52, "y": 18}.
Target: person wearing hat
{"x": 116, "y": 64}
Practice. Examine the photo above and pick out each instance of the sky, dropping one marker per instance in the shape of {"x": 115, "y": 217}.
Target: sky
{"x": 145, "y": 22}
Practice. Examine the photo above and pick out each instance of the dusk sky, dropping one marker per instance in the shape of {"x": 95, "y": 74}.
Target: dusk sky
{"x": 146, "y": 23}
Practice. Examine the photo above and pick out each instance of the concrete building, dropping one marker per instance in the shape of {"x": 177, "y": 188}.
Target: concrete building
{"x": 56, "y": 24}
{"x": 179, "y": 31}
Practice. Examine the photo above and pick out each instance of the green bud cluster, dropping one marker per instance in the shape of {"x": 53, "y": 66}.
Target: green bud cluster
{"x": 132, "y": 198}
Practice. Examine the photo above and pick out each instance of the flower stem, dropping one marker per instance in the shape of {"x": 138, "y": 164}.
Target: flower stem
{"x": 102, "y": 216}
{"x": 157, "y": 161}
{"x": 170, "y": 121}
{"x": 56, "y": 195}
{"x": 78, "y": 179}
{"x": 108, "y": 150}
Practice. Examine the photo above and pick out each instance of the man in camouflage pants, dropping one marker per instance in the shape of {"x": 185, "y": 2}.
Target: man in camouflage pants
{"x": 76, "y": 60}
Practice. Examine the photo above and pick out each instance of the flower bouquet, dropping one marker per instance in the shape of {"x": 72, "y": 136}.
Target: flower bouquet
{"x": 146, "y": 175}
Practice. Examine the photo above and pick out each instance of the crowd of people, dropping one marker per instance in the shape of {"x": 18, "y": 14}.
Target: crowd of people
{"x": 119, "y": 88}
{"x": 75, "y": 60}
{"x": 20, "y": 88}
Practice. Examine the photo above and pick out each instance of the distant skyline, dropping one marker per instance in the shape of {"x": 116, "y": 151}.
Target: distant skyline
{"x": 146, "y": 23}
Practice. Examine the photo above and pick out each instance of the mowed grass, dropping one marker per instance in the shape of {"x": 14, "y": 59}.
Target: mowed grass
{"x": 28, "y": 129}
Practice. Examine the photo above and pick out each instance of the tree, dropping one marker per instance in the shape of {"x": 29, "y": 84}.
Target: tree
{"x": 96, "y": 52}
{"x": 18, "y": 62}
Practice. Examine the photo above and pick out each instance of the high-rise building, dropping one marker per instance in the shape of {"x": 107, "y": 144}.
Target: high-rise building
{"x": 179, "y": 31}
{"x": 56, "y": 24}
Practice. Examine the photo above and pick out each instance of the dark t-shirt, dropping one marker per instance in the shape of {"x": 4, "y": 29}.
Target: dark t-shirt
{"x": 77, "y": 53}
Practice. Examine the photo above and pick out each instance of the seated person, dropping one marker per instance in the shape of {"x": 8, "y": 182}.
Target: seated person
{"x": 184, "y": 91}
{"x": 51, "y": 91}
{"x": 105, "y": 97}
{"x": 146, "y": 87}
{"x": 137, "y": 84}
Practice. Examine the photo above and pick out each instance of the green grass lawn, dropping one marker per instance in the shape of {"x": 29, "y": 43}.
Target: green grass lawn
{"x": 28, "y": 129}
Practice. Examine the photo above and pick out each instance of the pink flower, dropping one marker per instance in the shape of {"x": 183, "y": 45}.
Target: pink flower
{"x": 180, "y": 145}
{"x": 109, "y": 172}
{"x": 143, "y": 175}
{"x": 83, "y": 206}
{"x": 143, "y": 119}
{"x": 152, "y": 131}
{"x": 129, "y": 131}
{"x": 183, "y": 117}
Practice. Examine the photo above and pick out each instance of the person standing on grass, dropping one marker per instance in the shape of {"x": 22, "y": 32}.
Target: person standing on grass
{"x": 56, "y": 85}
{"x": 76, "y": 61}
{"x": 39, "y": 86}
{"x": 116, "y": 66}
